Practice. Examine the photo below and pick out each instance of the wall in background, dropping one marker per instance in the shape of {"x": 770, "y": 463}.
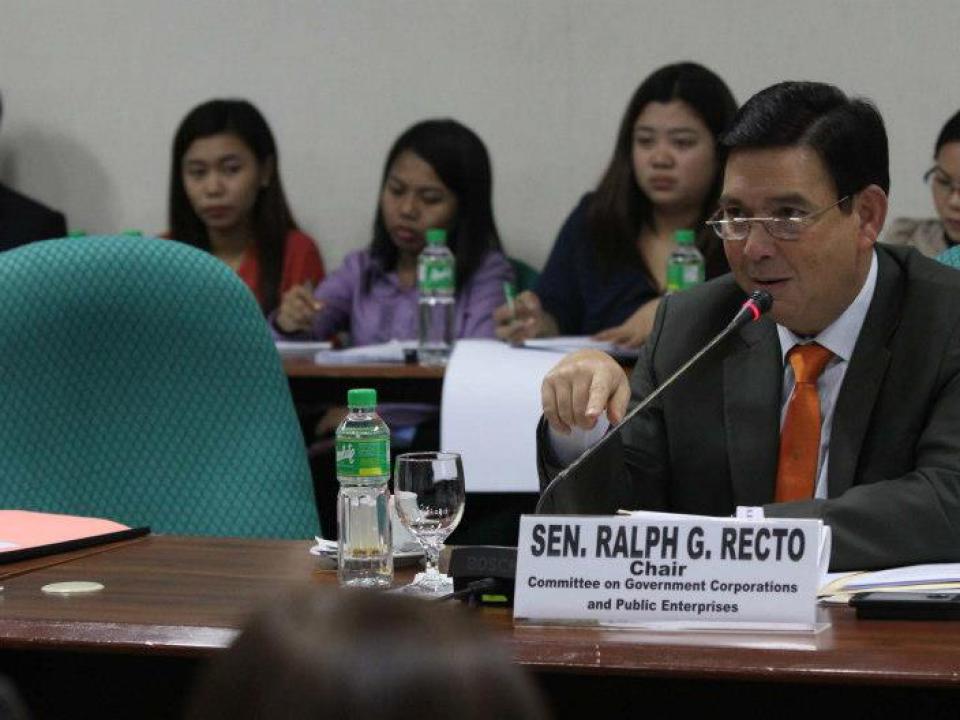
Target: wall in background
{"x": 94, "y": 90}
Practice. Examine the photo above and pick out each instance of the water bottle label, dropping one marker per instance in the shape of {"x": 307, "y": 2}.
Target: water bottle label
{"x": 435, "y": 274}
{"x": 681, "y": 276}
{"x": 692, "y": 275}
{"x": 363, "y": 458}
{"x": 674, "y": 277}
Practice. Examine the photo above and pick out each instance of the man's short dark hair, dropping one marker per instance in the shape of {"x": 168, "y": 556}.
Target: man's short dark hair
{"x": 847, "y": 133}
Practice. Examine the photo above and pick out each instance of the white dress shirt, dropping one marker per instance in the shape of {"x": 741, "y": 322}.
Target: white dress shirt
{"x": 839, "y": 337}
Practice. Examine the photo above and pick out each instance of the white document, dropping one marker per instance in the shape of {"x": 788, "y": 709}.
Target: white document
{"x": 389, "y": 352}
{"x": 933, "y": 574}
{"x": 491, "y": 405}
{"x": 570, "y": 343}
{"x": 300, "y": 348}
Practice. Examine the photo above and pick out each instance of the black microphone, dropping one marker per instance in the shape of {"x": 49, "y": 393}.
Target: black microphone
{"x": 759, "y": 302}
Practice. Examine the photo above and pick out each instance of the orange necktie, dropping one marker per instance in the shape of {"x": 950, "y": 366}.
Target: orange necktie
{"x": 800, "y": 435}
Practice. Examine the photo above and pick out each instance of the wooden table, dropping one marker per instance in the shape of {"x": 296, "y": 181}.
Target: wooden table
{"x": 171, "y": 602}
{"x": 313, "y": 384}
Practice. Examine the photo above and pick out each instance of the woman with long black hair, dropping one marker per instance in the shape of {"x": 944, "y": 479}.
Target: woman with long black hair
{"x": 226, "y": 197}
{"x": 607, "y": 269}
{"x": 436, "y": 175}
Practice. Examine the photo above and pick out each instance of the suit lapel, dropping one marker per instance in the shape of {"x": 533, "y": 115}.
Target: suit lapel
{"x": 752, "y": 379}
{"x": 864, "y": 376}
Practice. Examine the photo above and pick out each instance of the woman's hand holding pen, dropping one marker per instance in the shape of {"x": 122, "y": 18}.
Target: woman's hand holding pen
{"x": 298, "y": 308}
{"x": 523, "y": 318}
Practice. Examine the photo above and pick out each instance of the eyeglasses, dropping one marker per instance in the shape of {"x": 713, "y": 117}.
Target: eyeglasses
{"x": 941, "y": 182}
{"x": 782, "y": 228}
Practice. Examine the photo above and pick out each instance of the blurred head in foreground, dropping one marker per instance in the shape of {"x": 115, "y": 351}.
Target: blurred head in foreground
{"x": 343, "y": 655}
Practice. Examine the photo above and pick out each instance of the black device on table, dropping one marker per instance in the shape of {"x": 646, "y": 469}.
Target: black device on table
{"x": 907, "y": 605}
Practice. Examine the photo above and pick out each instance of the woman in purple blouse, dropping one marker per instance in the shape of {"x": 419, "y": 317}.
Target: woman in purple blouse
{"x": 437, "y": 175}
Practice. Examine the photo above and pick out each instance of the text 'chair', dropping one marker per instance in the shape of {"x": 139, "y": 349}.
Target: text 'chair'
{"x": 139, "y": 382}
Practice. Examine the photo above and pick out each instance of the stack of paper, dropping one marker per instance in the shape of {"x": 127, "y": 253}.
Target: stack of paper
{"x": 389, "y": 352}
{"x": 571, "y": 343}
{"x": 940, "y": 576}
{"x": 300, "y": 348}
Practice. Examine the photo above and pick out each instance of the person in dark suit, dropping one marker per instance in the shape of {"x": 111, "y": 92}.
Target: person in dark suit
{"x": 804, "y": 198}
{"x": 23, "y": 220}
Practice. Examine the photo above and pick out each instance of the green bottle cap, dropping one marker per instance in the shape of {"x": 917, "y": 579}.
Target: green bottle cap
{"x": 132, "y": 233}
{"x": 77, "y": 233}
{"x": 684, "y": 237}
{"x": 361, "y": 397}
{"x": 436, "y": 236}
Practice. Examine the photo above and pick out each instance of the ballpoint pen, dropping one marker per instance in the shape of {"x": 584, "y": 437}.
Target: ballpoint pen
{"x": 510, "y": 294}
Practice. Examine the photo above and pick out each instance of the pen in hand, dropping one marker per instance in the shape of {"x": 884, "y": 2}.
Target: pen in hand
{"x": 510, "y": 294}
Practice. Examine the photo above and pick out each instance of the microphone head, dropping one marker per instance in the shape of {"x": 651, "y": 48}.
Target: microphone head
{"x": 753, "y": 307}
{"x": 761, "y": 300}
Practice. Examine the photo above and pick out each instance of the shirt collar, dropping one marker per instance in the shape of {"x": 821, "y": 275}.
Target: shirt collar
{"x": 841, "y": 335}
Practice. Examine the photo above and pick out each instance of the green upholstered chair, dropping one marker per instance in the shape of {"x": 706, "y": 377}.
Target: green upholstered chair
{"x": 139, "y": 382}
{"x": 950, "y": 257}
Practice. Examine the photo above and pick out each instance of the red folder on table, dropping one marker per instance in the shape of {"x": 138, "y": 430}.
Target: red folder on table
{"x": 25, "y": 534}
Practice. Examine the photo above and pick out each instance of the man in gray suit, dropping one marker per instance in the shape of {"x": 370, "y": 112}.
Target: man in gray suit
{"x": 804, "y": 198}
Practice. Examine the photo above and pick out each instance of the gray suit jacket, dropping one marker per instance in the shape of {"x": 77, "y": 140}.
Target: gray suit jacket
{"x": 710, "y": 442}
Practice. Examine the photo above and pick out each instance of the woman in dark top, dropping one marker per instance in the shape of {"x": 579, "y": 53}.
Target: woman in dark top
{"x": 607, "y": 269}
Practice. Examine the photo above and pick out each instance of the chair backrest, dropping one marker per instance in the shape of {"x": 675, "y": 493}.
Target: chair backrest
{"x": 139, "y": 382}
{"x": 950, "y": 257}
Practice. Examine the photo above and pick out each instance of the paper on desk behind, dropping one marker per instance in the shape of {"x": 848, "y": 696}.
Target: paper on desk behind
{"x": 491, "y": 405}
{"x": 937, "y": 574}
{"x": 388, "y": 352}
{"x": 300, "y": 348}
{"x": 570, "y": 343}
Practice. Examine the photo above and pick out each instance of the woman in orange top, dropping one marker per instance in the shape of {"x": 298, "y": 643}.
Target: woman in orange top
{"x": 226, "y": 198}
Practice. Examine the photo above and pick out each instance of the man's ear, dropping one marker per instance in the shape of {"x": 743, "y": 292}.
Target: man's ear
{"x": 870, "y": 206}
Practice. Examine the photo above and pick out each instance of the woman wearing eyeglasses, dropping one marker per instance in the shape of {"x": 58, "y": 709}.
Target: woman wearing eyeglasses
{"x": 607, "y": 270}
{"x": 933, "y": 236}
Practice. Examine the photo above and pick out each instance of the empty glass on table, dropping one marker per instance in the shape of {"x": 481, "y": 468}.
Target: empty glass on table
{"x": 429, "y": 496}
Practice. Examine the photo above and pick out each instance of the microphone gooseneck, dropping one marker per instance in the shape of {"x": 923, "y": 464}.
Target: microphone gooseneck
{"x": 759, "y": 302}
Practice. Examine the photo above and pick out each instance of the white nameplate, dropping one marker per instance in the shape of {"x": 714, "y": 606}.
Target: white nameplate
{"x": 667, "y": 569}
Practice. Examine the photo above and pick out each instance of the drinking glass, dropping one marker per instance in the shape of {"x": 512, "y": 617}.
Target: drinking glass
{"x": 429, "y": 494}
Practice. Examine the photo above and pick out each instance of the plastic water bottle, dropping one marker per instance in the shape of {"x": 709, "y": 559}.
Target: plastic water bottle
{"x": 364, "y": 541}
{"x": 685, "y": 267}
{"x": 435, "y": 281}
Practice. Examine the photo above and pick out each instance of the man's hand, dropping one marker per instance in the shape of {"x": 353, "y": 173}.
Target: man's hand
{"x": 527, "y": 319}
{"x": 298, "y": 309}
{"x": 635, "y": 329}
{"x": 581, "y": 387}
